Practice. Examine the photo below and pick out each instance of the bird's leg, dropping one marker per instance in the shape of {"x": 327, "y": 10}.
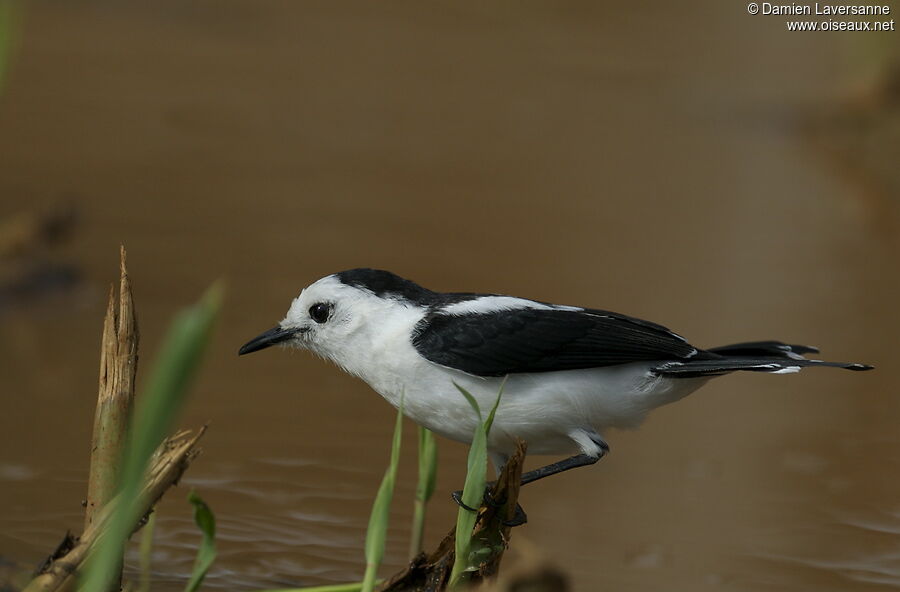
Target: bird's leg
{"x": 573, "y": 462}
{"x": 488, "y": 500}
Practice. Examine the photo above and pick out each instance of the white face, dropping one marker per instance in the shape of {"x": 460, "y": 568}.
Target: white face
{"x": 350, "y": 326}
{"x": 335, "y": 320}
{"x": 322, "y": 315}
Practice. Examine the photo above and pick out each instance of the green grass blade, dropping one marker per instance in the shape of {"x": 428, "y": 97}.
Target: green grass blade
{"x": 177, "y": 363}
{"x": 206, "y": 554}
{"x": 471, "y": 400}
{"x": 476, "y": 463}
{"x": 424, "y": 488}
{"x": 472, "y": 496}
{"x": 158, "y": 406}
{"x": 146, "y": 553}
{"x": 473, "y": 490}
{"x": 490, "y": 418}
{"x": 427, "y": 465}
{"x": 378, "y": 520}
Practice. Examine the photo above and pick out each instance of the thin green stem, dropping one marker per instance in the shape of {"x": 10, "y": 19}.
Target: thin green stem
{"x": 146, "y": 553}
{"x": 424, "y": 488}
{"x": 376, "y": 534}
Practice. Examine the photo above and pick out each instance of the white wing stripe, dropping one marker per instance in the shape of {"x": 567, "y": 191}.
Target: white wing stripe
{"x": 489, "y": 304}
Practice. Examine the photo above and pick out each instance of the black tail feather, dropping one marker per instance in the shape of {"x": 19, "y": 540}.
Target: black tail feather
{"x": 755, "y": 356}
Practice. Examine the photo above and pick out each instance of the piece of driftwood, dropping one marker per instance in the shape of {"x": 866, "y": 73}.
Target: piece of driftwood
{"x": 115, "y": 401}
{"x": 32, "y": 231}
{"x": 431, "y": 572}
{"x": 169, "y": 462}
{"x": 29, "y": 271}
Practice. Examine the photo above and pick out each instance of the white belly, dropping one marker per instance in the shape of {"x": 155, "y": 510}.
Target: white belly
{"x": 554, "y": 412}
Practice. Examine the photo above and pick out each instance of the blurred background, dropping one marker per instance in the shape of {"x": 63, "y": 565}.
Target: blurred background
{"x": 682, "y": 162}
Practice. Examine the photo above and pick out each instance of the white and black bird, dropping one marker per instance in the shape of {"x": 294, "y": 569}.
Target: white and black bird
{"x": 571, "y": 373}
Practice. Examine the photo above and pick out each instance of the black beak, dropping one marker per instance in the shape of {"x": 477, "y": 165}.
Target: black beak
{"x": 267, "y": 339}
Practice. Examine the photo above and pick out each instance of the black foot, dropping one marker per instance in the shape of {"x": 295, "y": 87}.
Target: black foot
{"x": 457, "y": 497}
{"x": 488, "y": 500}
{"x": 519, "y": 519}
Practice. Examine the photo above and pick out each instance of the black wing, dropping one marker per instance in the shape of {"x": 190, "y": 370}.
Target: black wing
{"x": 543, "y": 340}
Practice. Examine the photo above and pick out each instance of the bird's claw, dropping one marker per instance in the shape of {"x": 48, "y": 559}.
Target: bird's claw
{"x": 488, "y": 500}
{"x": 518, "y": 519}
{"x": 457, "y": 497}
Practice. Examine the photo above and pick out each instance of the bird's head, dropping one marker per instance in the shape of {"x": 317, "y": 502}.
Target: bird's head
{"x": 341, "y": 313}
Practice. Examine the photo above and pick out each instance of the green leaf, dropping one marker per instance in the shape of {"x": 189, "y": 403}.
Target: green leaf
{"x": 146, "y": 552}
{"x": 376, "y": 535}
{"x": 473, "y": 489}
{"x": 472, "y": 402}
{"x": 206, "y": 554}
{"x": 158, "y": 406}
{"x": 490, "y": 420}
{"x": 427, "y": 465}
{"x": 424, "y": 488}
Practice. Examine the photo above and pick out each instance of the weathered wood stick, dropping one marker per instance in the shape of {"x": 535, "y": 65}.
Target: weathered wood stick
{"x": 115, "y": 401}
{"x": 169, "y": 463}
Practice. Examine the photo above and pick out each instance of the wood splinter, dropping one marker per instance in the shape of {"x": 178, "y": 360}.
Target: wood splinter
{"x": 115, "y": 401}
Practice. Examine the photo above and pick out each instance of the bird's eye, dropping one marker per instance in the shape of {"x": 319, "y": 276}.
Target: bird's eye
{"x": 319, "y": 312}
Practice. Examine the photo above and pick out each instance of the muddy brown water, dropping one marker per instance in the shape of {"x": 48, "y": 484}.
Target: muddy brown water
{"x": 638, "y": 157}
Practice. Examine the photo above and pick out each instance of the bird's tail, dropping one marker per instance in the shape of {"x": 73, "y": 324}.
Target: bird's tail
{"x": 756, "y": 356}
